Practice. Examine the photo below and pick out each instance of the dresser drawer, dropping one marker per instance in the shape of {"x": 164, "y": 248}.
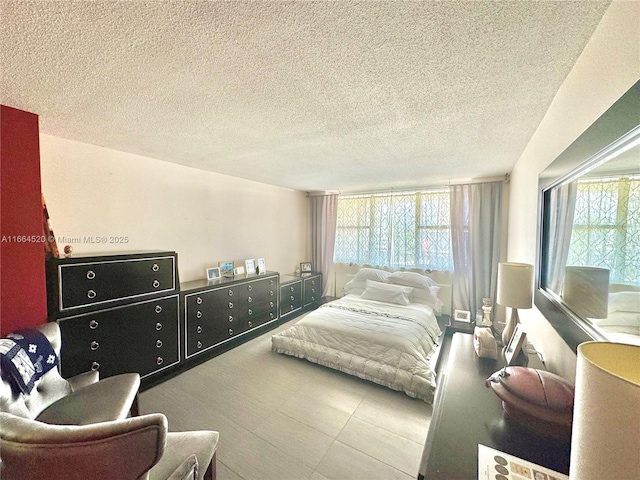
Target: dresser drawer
{"x": 91, "y": 283}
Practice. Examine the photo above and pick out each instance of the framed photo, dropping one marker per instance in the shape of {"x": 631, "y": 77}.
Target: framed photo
{"x": 262, "y": 266}
{"x": 462, "y": 316}
{"x": 238, "y": 271}
{"x": 306, "y": 267}
{"x": 515, "y": 344}
{"x": 226, "y": 269}
{"x": 213, "y": 273}
{"x": 250, "y": 265}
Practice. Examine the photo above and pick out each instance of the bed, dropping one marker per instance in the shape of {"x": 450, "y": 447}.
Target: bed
{"x": 383, "y": 330}
{"x": 623, "y": 320}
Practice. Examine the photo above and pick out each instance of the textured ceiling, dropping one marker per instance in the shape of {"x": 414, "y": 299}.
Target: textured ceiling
{"x": 307, "y": 95}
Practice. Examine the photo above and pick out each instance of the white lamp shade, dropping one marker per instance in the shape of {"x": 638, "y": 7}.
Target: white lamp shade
{"x": 586, "y": 291}
{"x": 515, "y": 285}
{"x": 605, "y": 440}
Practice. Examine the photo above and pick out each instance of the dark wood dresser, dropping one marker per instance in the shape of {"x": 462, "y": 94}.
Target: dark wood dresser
{"x": 218, "y": 311}
{"x": 298, "y": 292}
{"x": 117, "y": 313}
{"x": 466, "y": 413}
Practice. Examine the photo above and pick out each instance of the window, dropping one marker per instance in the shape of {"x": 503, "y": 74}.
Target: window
{"x": 406, "y": 229}
{"x": 606, "y": 227}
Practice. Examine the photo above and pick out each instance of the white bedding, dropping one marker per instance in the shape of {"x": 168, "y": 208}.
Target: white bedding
{"x": 381, "y": 342}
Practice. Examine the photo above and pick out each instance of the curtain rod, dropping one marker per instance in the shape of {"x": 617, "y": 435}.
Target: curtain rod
{"x": 500, "y": 178}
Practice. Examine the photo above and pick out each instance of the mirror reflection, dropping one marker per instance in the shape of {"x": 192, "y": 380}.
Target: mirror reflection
{"x": 592, "y": 240}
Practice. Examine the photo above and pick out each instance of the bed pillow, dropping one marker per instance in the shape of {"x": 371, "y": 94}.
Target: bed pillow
{"x": 411, "y": 279}
{"x": 358, "y": 283}
{"x": 627, "y": 301}
{"x": 385, "y": 292}
{"x": 427, "y": 296}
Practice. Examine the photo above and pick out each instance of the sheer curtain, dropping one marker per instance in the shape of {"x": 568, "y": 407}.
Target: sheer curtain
{"x": 475, "y": 240}
{"x": 324, "y": 214}
{"x": 562, "y": 206}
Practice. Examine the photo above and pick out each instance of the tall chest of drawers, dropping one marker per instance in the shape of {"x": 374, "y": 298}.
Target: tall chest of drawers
{"x": 117, "y": 313}
{"x": 219, "y": 311}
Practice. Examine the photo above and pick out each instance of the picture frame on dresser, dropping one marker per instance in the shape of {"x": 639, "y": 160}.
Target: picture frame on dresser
{"x": 238, "y": 270}
{"x": 262, "y": 266}
{"x": 250, "y": 265}
{"x": 514, "y": 347}
{"x": 306, "y": 267}
{"x": 213, "y": 273}
{"x": 226, "y": 268}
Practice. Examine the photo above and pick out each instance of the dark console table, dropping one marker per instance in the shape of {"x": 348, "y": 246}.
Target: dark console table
{"x": 466, "y": 413}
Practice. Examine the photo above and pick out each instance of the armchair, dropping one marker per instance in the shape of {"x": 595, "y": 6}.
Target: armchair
{"x": 80, "y": 400}
{"x": 138, "y": 448}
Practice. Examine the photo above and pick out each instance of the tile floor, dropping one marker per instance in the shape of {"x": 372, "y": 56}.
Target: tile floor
{"x": 283, "y": 418}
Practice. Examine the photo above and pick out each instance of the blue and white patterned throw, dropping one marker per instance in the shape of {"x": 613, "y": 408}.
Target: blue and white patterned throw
{"x": 26, "y": 355}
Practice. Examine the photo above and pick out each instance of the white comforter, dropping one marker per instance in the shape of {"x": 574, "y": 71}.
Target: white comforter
{"x": 385, "y": 343}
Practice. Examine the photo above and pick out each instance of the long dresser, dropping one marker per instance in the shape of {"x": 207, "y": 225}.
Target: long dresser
{"x": 117, "y": 313}
{"x": 218, "y": 311}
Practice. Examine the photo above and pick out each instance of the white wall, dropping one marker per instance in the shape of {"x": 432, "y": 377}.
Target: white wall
{"x": 205, "y": 217}
{"x": 607, "y": 68}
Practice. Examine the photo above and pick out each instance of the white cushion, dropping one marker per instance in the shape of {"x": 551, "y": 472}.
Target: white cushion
{"x": 427, "y": 297}
{"x": 358, "y": 283}
{"x": 384, "y": 292}
{"x": 626, "y": 301}
{"x": 411, "y": 279}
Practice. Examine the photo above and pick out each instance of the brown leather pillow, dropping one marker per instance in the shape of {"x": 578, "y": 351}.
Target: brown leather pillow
{"x": 540, "y": 400}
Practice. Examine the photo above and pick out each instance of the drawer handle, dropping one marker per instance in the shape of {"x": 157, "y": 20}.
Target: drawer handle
{"x": 158, "y": 343}
{"x": 291, "y": 307}
{"x": 158, "y": 309}
{"x": 270, "y": 282}
{"x": 230, "y": 304}
{"x": 198, "y": 314}
{"x": 199, "y": 329}
{"x": 313, "y": 299}
{"x": 95, "y": 345}
{"x": 292, "y": 298}
{"x": 271, "y": 292}
{"x": 292, "y": 289}
{"x": 271, "y": 315}
{"x": 155, "y": 267}
{"x": 230, "y": 318}
{"x": 271, "y": 304}
{"x": 91, "y": 294}
{"x": 156, "y": 284}
{"x": 313, "y": 282}
{"x": 159, "y": 361}
{"x": 158, "y": 326}
{"x": 250, "y": 325}
{"x": 230, "y": 332}
{"x": 249, "y": 299}
{"x": 93, "y": 324}
{"x": 95, "y": 366}
{"x": 91, "y": 274}
{"x": 199, "y": 344}
{"x": 249, "y": 288}
{"x": 231, "y": 293}
{"x": 199, "y": 301}
{"x": 250, "y": 312}
{"x": 313, "y": 290}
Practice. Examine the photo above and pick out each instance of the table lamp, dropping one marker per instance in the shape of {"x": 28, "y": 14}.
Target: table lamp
{"x": 515, "y": 290}
{"x": 605, "y": 439}
{"x": 586, "y": 291}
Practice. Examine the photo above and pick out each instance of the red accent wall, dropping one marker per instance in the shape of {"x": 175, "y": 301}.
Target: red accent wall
{"x": 23, "y": 292}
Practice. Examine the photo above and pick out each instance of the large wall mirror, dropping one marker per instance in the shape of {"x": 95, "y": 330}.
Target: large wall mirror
{"x": 588, "y": 272}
